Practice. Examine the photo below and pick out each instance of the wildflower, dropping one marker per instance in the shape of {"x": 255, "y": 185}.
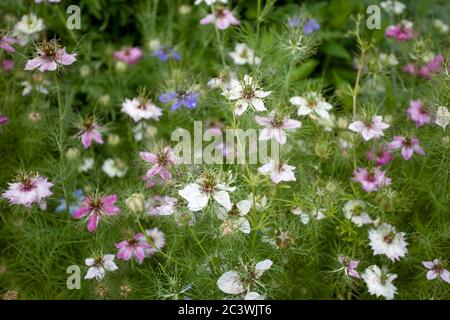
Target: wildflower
{"x": 440, "y": 26}
{"x": 277, "y": 171}
{"x": 369, "y": 130}
{"x": 392, "y": 6}
{"x": 235, "y": 219}
{"x": 417, "y": 113}
{"x": 140, "y": 108}
{"x": 87, "y": 164}
{"x": 99, "y": 265}
{"x": 165, "y": 53}
{"x": 379, "y": 282}
{"x": 161, "y": 206}
{"x": 432, "y": 66}
{"x": 242, "y": 54}
{"x": 135, "y": 247}
{"x": 77, "y": 196}
{"x": 222, "y": 18}
{"x": 157, "y": 240}
{"x": 49, "y": 55}
{"x": 8, "y": 65}
{"x": 385, "y": 240}
{"x": 129, "y": 55}
{"x": 380, "y": 156}
{"x": 36, "y": 83}
{"x": 254, "y": 296}
{"x": 388, "y": 59}
{"x": 115, "y": 168}
{"x": 408, "y": 145}
{"x": 275, "y": 127}
{"x": 436, "y": 268}
{"x": 350, "y": 266}
{"x": 247, "y": 93}
{"x": 161, "y": 163}
{"x": 90, "y": 132}
{"x": 94, "y": 208}
{"x": 311, "y": 26}
{"x": 135, "y": 203}
{"x": 3, "y": 120}
{"x": 410, "y": 69}
{"x": 442, "y": 117}
{"x": 305, "y": 216}
{"x": 312, "y": 103}
{"x": 225, "y": 81}
{"x": 355, "y": 211}
{"x": 401, "y": 32}
{"x": 7, "y": 42}
{"x": 27, "y": 27}
{"x": 28, "y": 189}
{"x": 232, "y": 282}
{"x": 209, "y": 2}
{"x": 181, "y": 98}
{"x": 372, "y": 179}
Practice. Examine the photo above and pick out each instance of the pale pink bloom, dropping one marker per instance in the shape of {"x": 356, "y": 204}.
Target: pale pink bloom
{"x": 161, "y": 163}
{"x": 410, "y": 68}
{"x": 275, "y": 127}
{"x": 277, "y": 171}
{"x": 157, "y": 240}
{"x": 94, "y": 208}
{"x": 372, "y": 130}
{"x": 134, "y": 247}
{"x": 49, "y": 56}
{"x": 371, "y": 180}
{"x": 90, "y": 132}
{"x": 222, "y": 18}
{"x": 7, "y": 42}
{"x": 141, "y": 108}
{"x": 349, "y": 266}
{"x": 128, "y": 55}
{"x": 380, "y": 156}
{"x": 418, "y": 114}
{"x": 3, "y": 120}
{"x": 28, "y": 190}
{"x": 408, "y": 146}
{"x": 436, "y": 269}
{"x": 401, "y": 32}
{"x": 161, "y": 206}
{"x": 8, "y": 65}
{"x": 433, "y": 66}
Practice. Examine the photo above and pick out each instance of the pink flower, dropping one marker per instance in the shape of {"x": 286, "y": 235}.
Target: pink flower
{"x": 161, "y": 162}
{"x": 93, "y": 208}
{"x": 222, "y": 18}
{"x": 27, "y": 190}
{"x": 372, "y": 130}
{"x": 350, "y": 266}
{"x": 7, "y": 42}
{"x": 275, "y": 127}
{"x": 371, "y": 180}
{"x": 128, "y": 55}
{"x": 49, "y": 56}
{"x": 408, "y": 146}
{"x": 277, "y": 171}
{"x": 417, "y": 113}
{"x": 381, "y": 156}
{"x": 401, "y": 32}
{"x": 8, "y": 65}
{"x": 435, "y": 64}
{"x": 90, "y": 132}
{"x": 410, "y": 68}
{"x": 134, "y": 247}
{"x": 3, "y": 120}
{"x": 436, "y": 269}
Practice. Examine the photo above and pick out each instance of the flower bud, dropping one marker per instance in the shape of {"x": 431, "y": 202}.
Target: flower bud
{"x": 135, "y": 203}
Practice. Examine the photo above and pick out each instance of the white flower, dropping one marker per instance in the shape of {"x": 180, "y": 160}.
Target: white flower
{"x": 355, "y": 211}
{"x": 254, "y": 296}
{"x": 87, "y": 165}
{"x": 385, "y": 240}
{"x": 198, "y": 194}
{"x": 161, "y": 206}
{"x": 312, "y": 104}
{"x": 235, "y": 219}
{"x": 209, "y": 2}
{"x": 247, "y": 93}
{"x": 27, "y": 27}
{"x": 242, "y": 54}
{"x": 139, "y": 108}
{"x": 305, "y": 217}
{"x": 442, "y": 117}
{"x": 114, "y": 168}
{"x": 440, "y": 26}
{"x": 226, "y": 82}
{"x": 388, "y": 59}
{"x": 99, "y": 266}
{"x": 379, "y": 282}
{"x": 28, "y": 87}
{"x": 392, "y": 6}
{"x": 275, "y": 128}
{"x": 277, "y": 171}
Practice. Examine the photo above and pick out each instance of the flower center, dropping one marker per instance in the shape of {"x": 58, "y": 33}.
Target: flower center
{"x": 389, "y": 238}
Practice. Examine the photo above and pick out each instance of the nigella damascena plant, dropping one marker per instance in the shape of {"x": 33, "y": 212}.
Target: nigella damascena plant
{"x": 371, "y": 179}
{"x": 27, "y": 189}
{"x": 141, "y": 245}
{"x": 180, "y": 98}
{"x": 160, "y": 164}
{"x": 222, "y": 18}
{"x": 49, "y": 55}
{"x": 141, "y": 108}
{"x": 90, "y": 131}
{"x": 129, "y": 55}
{"x": 94, "y": 208}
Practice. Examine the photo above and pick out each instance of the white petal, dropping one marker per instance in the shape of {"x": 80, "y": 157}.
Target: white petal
{"x": 223, "y": 198}
{"x": 262, "y": 266}
{"x": 197, "y": 200}
{"x": 230, "y": 282}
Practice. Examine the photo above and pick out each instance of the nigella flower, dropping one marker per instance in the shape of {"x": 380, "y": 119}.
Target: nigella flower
{"x": 312, "y": 104}
{"x": 8, "y": 65}
{"x": 49, "y": 55}
{"x": 157, "y": 240}
{"x": 161, "y": 163}
{"x": 369, "y": 130}
{"x": 94, "y": 208}
{"x": 350, "y": 266}
{"x": 417, "y": 113}
{"x": 436, "y": 268}
{"x": 90, "y": 132}
{"x": 115, "y": 168}
{"x": 188, "y": 99}
{"x": 380, "y": 156}
{"x": 294, "y": 22}
{"x": 3, "y": 120}
{"x": 161, "y": 206}
{"x": 305, "y": 216}
{"x": 243, "y": 54}
{"x": 130, "y": 55}
{"x": 401, "y": 32}
{"x": 248, "y": 94}
{"x": 28, "y": 189}
{"x": 386, "y": 240}
{"x": 274, "y": 127}
{"x": 27, "y": 28}
{"x": 165, "y": 53}
{"x": 393, "y": 6}
{"x": 277, "y": 171}
{"x": 135, "y": 247}
{"x": 235, "y": 219}
{"x": 99, "y": 265}
{"x": 77, "y": 197}
{"x": 356, "y": 212}
{"x": 222, "y": 18}
{"x": 408, "y": 145}
{"x": 310, "y": 26}
{"x": 141, "y": 108}
{"x": 442, "y": 117}
{"x": 379, "y": 282}
{"x": 7, "y": 42}
{"x": 36, "y": 83}
{"x": 432, "y": 66}
{"x": 372, "y": 179}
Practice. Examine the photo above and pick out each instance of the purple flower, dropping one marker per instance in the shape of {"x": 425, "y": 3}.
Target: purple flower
{"x": 3, "y": 120}
{"x": 128, "y": 55}
{"x": 408, "y": 145}
{"x": 222, "y": 18}
{"x": 165, "y": 53}
{"x": 49, "y": 56}
{"x": 369, "y": 130}
{"x": 350, "y": 266}
{"x": 371, "y": 180}
{"x": 134, "y": 247}
{"x": 94, "y": 208}
{"x": 8, "y": 65}
{"x": 436, "y": 269}
{"x": 294, "y": 22}
{"x": 311, "y": 25}
{"x": 161, "y": 162}
{"x": 7, "y": 42}
{"x": 90, "y": 132}
{"x": 27, "y": 190}
{"x": 180, "y": 98}
{"x": 417, "y": 113}
{"x": 381, "y": 156}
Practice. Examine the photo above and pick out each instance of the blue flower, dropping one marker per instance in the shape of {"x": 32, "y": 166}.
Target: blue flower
{"x": 294, "y": 22}
{"x": 180, "y": 98}
{"x": 77, "y": 196}
{"x": 165, "y": 53}
{"x": 311, "y": 26}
